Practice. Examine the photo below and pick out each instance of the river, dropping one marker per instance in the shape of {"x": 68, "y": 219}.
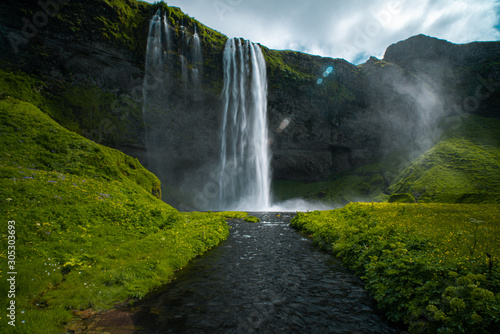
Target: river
{"x": 265, "y": 278}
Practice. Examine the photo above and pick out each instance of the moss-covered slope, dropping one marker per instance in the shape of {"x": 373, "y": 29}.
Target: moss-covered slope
{"x": 30, "y": 139}
{"x": 463, "y": 168}
{"x": 90, "y": 229}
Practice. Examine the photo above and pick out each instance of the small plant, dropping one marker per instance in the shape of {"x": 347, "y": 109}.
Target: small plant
{"x": 251, "y": 219}
{"x": 475, "y": 235}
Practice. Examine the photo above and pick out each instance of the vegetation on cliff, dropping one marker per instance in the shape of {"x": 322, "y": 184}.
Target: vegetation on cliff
{"x": 107, "y": 112}
{"x": 431, "y": 266}
{"x": 463, "y": 167}
{"x": 90, "y": 228}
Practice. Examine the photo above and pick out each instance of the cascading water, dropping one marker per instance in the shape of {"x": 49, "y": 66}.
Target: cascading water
{"x": 244, "y": 174}
{"x": 245, "y": 158}
{"x": 167, "y": 33}
{"x": 197, "y": 60}
{"x": 184, "y": 72}
{"x": 155, "y": 57}
{"x": 183, "y": 60}
{"x": 156, "y": 85}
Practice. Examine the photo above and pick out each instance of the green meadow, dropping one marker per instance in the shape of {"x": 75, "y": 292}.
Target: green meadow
{"x": 90, "y": 229}
{"x": 433, "y": 267}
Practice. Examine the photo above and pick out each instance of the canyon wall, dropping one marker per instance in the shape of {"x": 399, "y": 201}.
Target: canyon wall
{"x": 86, "y": 62}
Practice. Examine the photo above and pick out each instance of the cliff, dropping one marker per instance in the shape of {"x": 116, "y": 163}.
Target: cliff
{"x": 83, "y": 63}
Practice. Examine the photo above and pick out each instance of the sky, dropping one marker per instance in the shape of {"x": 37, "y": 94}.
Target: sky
{"x": 353, "y": 30}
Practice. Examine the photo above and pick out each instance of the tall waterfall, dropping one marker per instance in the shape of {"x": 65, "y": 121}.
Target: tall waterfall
{"x": 244, "y": 179}
{"x": 197, "y": 60}
{"x": 155, "y": 56}
{"x": 167, "y": 32}
{"x": 157, "y": 84}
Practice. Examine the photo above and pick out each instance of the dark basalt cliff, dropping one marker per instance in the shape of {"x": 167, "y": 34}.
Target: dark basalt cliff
{"x": 86, "y": 62}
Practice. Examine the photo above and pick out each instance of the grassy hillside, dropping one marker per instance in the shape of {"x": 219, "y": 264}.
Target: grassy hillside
{"x": 464, "y": 167}
{"x": 454, "y": 171}
{"x": 90, "y": 228}
{"x": 431, "y": 266}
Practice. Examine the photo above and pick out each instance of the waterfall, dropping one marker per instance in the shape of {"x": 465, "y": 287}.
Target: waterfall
{"x": 155, "y": 58}
{"x": 244, "y": 179}
{"x": 155, "y": 90}
{"x": 167, "y": 33}
{"x": 243, "y": 176}
{"x": 156, "y": 82}
{"x": 197, "y": 60}
{"x": 184, "y": 73}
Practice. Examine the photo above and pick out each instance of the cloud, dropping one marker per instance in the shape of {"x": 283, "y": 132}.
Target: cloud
{"x": 351, "y": 30}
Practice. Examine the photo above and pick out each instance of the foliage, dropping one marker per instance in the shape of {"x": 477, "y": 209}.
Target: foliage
{"x": 364, "y": 183}
{"x": 32, "y": 140}
{"x": 454, "y": 171}
{"x": 119, "y": 22}
{"x": 90, "y": 229}
{"x": 463, "y": 167}
{"x": 98, "y": 114}
{"x": 432, "y": 266}
{"x": 276, "y": 62}
{"x": 22, "y": 87}
{"x": 401, "y": 198}
{"x": 251, "y": 219}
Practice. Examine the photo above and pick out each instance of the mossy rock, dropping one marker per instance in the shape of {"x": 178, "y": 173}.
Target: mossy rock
{"x": 251, "y": 219}
{"x": 401, "y": 198}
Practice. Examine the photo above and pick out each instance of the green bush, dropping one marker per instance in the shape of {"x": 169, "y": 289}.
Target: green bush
{"x": 251, "y": 219}
{"x": 401, "y": 198}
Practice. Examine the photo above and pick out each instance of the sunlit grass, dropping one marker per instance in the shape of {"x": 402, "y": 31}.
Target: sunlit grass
{"x": 90, "y": 229}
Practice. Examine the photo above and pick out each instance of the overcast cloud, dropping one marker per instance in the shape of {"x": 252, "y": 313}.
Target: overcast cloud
{"x": 353, "y": 30}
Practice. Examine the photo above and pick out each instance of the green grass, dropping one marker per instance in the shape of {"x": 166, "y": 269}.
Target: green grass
{"x": 454, "y": 171}
{"x": 463, "y": 167}
{"x": 251, "y": 219}
{"x": 91, "y": 230}
{"x": 362, "y": 184}
{"x": 427, "y": 265}
{"x": 98, "y": 114}
{"x": 21, "y": 86}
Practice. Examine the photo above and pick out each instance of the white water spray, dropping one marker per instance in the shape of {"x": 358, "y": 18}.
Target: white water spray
{"x": 167, "y": 33}
{"x": 197, "y": 59}
{"x": 155, "y": 57}
{"x": 245, "y": 158}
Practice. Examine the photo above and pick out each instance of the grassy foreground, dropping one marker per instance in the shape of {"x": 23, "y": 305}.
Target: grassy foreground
{"x": 435, "y": 267}
{"x": 90, "y": 229}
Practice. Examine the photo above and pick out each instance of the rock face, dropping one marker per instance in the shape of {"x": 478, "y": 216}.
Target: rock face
{"x": 326, "y": 115}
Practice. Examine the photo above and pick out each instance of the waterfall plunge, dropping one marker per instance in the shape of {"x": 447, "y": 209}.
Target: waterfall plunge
{"x": 244, "y": 179}
{"x": 244, "y": 174}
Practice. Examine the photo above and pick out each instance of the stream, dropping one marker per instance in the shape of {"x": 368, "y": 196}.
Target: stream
{"x": 265, "y": 278}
